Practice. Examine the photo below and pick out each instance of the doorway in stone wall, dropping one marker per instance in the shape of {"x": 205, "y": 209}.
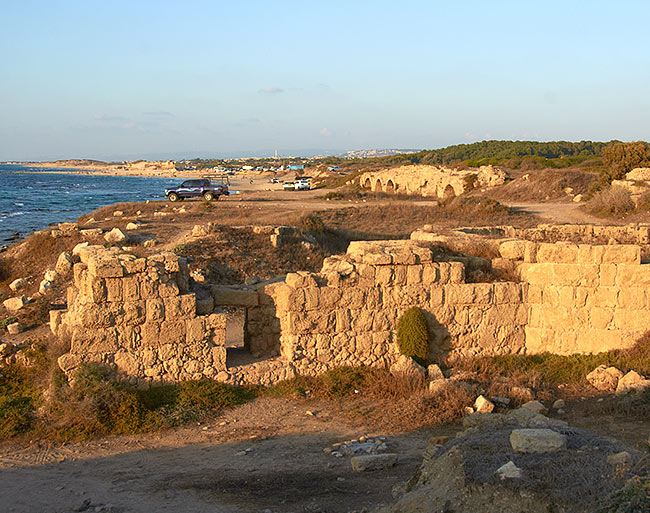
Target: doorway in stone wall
{"x": 237, "y": 352}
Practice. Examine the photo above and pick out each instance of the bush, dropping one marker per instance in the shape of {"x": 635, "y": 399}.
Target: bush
{"x": 413, "y": 335}
{"x": 312, "y": 223}
{"x": 209, "y": 394}
{"x": 613, "y": 201}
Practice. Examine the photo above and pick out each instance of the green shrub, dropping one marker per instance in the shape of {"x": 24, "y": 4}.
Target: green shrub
{"x": 6, "y": 322}
{"x": 342, "y": 381}
{"x": 413, "y": 334}
{"x": 312, "y": 223}
{"x": 634, "y": 497}
{"x": 209, "y": 394}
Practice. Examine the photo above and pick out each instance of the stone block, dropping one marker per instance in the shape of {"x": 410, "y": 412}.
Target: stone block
{"x": 633, "y": 275}
{"x": 15, "y": 303}
{"x": 512, "y": 249}
{"x": 604, "y": 378}
{"x": 632, "y": 382}
{"x": 608, "y": 275}
{"x": 300, "y": 280}
{"x": 228, "y": 296}
{"x": 601, "y": 318}
{"x": 113, "y": 289}
{"x": 171, "y": 331}
{"x": 530, "y": 440}
{"x": 530, "y": 252}
{"x": 385, "y": 275}
{"x": 155, "y": 310}
{"x": 456, "y": 272}
{"x": 166, "y": 287}
{"x": 619, "y": 254}
{"x": 373, "y": 462}
{"x": 633, "y": 298}
{"x": 105, "y": 265}
{"x": 134, "y": 312}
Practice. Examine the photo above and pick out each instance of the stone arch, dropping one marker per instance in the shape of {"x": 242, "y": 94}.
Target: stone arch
{"x": 390, "y": 186}
{"x": 378, "y": 185}
{"x": 448, "y": 192}
{"x": 367, "y": 183}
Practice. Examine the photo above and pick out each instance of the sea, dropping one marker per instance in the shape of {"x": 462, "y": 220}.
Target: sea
{"x": 31, "y": 199}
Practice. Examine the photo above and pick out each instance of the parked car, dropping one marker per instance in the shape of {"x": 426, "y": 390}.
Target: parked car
{"x": 288, "y": 186}
{"x": 195, "y": 188}
{"x": 302, "y": 185}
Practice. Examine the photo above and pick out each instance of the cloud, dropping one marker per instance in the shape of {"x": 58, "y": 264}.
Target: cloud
{"x": 271, "y": 90}
{"x": 325, "y": 132}
{"x": 158, "y": 114}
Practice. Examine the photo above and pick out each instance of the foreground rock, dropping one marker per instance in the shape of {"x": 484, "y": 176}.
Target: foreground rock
{"x": 15, "y": 303}
{"x": 116, "y": 236}
{"x": 536, "y": 440}
{"x": 632, "y": 382}
{"x": 478, "y": 471}
{"x": 604, "y": 378}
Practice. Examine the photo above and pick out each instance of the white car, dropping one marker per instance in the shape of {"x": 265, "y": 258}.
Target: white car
{"x": 302, "y": 185}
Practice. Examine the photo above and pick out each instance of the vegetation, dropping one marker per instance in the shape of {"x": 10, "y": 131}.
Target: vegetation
{"x": 413, "y": 335}
{"x": 620, "y": 158}
{"x": 611, "y": 202}
{"x": 312, "y": 223}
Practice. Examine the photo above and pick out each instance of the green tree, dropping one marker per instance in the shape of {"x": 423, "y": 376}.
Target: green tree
{"x": 620, "y": 158}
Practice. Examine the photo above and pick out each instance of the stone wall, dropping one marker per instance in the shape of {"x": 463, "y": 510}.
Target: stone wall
{"x": 135, "y": 316}
{"x": 431, "y": 181}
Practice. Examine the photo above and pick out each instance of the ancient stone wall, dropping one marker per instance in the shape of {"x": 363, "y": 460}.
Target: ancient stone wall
{"x": 135, "y": 316}
{"x": 431, "y": 181}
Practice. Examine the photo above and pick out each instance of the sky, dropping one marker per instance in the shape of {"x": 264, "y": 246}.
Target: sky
{"x": 169, "y": 79}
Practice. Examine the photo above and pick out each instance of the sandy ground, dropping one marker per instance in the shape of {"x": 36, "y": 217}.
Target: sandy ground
{"x": 267, "y": 454}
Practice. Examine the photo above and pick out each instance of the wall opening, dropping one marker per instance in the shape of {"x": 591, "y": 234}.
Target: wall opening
{"x": 448, "y": 192}
{"x": 367, "y": 184}
{"x": 378, "y": 186}
{"x": 237, "y": 351}
{"x": 390, "y": 187}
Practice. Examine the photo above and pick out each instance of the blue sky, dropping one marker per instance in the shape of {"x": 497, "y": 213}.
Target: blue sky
{"x": 127, "y": 79}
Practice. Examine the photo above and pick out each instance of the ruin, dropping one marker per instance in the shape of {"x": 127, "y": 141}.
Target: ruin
{"x": 138, "y": 316}
{"x": 431, "y": 181}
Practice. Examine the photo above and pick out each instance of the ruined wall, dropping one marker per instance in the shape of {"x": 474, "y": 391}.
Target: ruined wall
{"x": 135, "y": 315}
{"x": 431, "y": 181}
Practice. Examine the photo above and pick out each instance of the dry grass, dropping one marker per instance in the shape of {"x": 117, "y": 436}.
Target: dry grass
{"x": 544, "y": 185}
{"x": 611, "y": 202}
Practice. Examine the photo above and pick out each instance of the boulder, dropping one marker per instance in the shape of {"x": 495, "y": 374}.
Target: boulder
{"x": 373, "y": 462}
{"x": 132, "y": 226}
{"x": 64, "y": 264}
{"x": 44, "y": 286}
{"x": 14, "y": 304}
{"x": 116, "y": 236}
{"x": 118, "y": 213}
{"x": 632, "y": 382}
{"x": 407, "y": 366}
{"x": 537, "y": 440}
{"x": 559, "y": 404}
{"x": 620, "y": 458}
{"x": 18, "y": 284}
{"x": 6, "y": 349}
{"x": 483, "y": 405}
{"x": 79, "y": 248}
{"x": 50, "y": 275}
{"x": 604, "y": 378}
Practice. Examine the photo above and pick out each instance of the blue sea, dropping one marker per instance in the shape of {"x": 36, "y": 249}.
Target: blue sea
{"x": 31, "y": 200}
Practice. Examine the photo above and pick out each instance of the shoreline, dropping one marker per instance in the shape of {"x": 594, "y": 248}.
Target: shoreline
{"x": 140, "y": 173}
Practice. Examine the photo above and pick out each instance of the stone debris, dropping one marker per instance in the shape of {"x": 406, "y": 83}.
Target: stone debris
{"x": 632, "y": 382}
{"x": 483, "y": 405}
{"x": 64, "y": 264}
{"x": 373, "y": 462}
{"x": 6, "y": 349}
{"x": 45, "y": 286}
{"x": 361, "y": 446}
{"x": 116, "y": 236}
{"x": 604, "y": 378}
{"x": 50, "y": 276}
{"x": 407, "y": 366}
{"x": 91, "y": 233}
{"x": 18, "y": 284}
{"x": 132, "y": 226}
{"x": 529, "y": 440}
{"x": 434, "y": 372}
{"x": 509, "y": 471}
{"x": 15, "y": 303}
{"x": 118, "y": 213}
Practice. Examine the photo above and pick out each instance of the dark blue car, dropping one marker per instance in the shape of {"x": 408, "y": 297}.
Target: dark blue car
{"x": 195, "y": 188}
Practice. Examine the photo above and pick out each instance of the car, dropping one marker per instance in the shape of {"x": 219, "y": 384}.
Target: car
{"x": 302, "y": 185}
{"x": 288, "y": 186}
{"x": 195, "y": 188}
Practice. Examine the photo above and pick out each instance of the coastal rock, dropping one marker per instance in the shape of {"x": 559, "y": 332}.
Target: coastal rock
{"x": 15, "y": 303}
{"x": 18, "y": 284}
{"x": 116, "y": 236}
{"x": 528, "y": 440}
{"x": 604, "y": 378}
{"x": 76, "y": 251}
{"x": 68, "y": 227}
{"x": 45, "y": 286}
{"x": 132, "y": 226}
{"x": 91, "y": 232}
{"x": 50, "y": 275}
{"x": 64, "y": 264}
{"x": 118, "y": 213}
{"x": 535, "y": 406}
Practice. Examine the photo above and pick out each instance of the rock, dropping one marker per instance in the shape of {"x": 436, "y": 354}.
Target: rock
{"x": 537, "y": 440}
{"x": 50, "y": 276}
{"x": 204, "y": 306}
{"x": 373, "y": 462}
{"x": 118, "y": 213}
{"x": 578, "y": 198}
{"x": 620, "y": 458}
{"x": 116, "y": 236}
{"x": 559, "y": 404}
{"x": 149, "y": 243}
{"x": 505, "y": 401}
{"x": 132, "y": 226}
{"x": 509, "y": 471}
{"x": 604, "y": 378}
{"x": 18, "y": 284}
{"x": 91, "y": 232}
{"x": 45, "y": 286}
{"x": 408, "y": 367}
{"x": 79, "y": 248}
{"x": 6, "y": 349}
{"x": 15, "y": 303}
{"x": 14, "y": 328}
{"x": 437, "y": 385}
{"x": 483, "y": 405}
{"x": 535, "y": 406}
{"x": 468, "y": 410}
{"x": 523, "y": 393}
{"x": 632, "y": 382}
{"x": 64, "y": 264}
{"x": 201, "y": 230}
{"x": 434, "y": 372}
{"x": 67, "y": 227}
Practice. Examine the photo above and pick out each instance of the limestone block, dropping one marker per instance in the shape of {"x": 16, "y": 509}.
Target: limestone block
{"x": 127, "y": 363}
{"x": 608, "y": 275}
{"x": 64, "y": 264}
{"x": 507, "y": 293}
{"x": 165, "y": 288}
{"x": 469, "y": 293}
{"x": 56, "y": 319}
{"x": 171, "y": 331}
{"x": 632, "y": 382}
{"x": 604, "y": 378}
{"x": 100, "y": 340}
{"x": 385, "y": 275}
{"x": 68, "y": 362}
{"x": 105, "y": 266}
{"x": 631, "y": 319}
{"x": 601, "y": 318}
{"x": 204, "y": 306}
{"x": 131, "y": 288}
{"x": 312, "y": 298}
{"x": 414, "y": 274}
{"x": 483, "y": 405}
{"x": 456, "y": 272}
{"x": 15, "y": 303}
{"x": 530, "y": 252}
{"x": 134, "y": 312}
{"x": 539, "y": 340}
{"x": 633, "y": 298}
{"x": 132, "y": 264}
{"x": 430, "y": 273}
{"x": 530, "y": 440}
{"x": 512, "y": 249}
{"x": 18, "y": 284}
{"x": 148, "y": 287}
{"x": 334, "y": 264}
{"x": 116, "y": 236}
{"x": 375, "y": 259}
{"x": 329, "y": 297}
{"x": 633, "y": 275}
{"x": 534, "y": 294}
{"x": 618, "y": 254}
{"x": 300, "y": 280}
{"x": 373, "y": 462}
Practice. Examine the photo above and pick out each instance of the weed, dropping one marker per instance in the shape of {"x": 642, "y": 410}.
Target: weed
{"x": 6, "y": 322}
{"x": 632, "y": 498}
{"x": 312, "y": 223}
{"x": 180, "y": 249}
{"x": 611, "y": 202}
{"x": 209, "y": 394}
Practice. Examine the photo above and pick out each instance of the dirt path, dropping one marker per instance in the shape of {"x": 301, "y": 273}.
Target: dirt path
{"x": 267, "y": 454}
{"x": 570, "y": 213}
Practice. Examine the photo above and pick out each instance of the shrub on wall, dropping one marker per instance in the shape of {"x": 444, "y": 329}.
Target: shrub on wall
{"x": 413, "y": 335}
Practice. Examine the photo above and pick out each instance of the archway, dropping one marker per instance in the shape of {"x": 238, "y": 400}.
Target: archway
{"x": 378, "y": 186}
{"x": 367, "y": 183}
{"x": 390, "y": 187}
{"x": 448, "y": 192}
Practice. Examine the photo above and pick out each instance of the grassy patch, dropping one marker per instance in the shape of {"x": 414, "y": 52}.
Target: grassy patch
{"x": 611, "y": 202}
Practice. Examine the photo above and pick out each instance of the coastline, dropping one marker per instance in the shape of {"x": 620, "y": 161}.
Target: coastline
{"x": 151, "y": 172}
